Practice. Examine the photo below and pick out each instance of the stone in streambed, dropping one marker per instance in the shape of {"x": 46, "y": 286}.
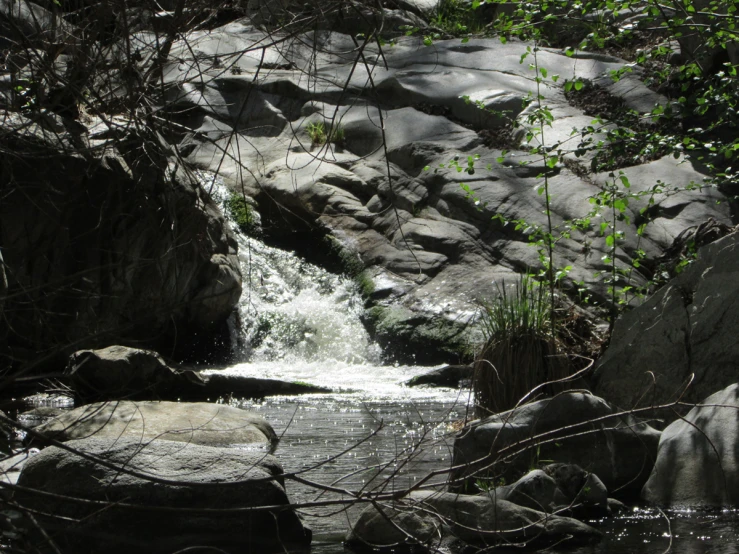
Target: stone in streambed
{"x": 171, "y": 502}
{"x": 479, "y": 521}
{"x": 447, "y": 376}
{"x": 191, "y": 422}
{"x": 574, "y": 428}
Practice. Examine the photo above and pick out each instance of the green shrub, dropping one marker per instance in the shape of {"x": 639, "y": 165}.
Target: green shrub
{"x": 242, "y": 213}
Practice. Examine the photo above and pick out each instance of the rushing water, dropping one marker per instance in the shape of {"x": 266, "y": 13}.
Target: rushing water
{"x": 299, "y": 323}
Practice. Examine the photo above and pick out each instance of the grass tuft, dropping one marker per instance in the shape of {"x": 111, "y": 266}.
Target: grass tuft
{"x": 520, "y": 350}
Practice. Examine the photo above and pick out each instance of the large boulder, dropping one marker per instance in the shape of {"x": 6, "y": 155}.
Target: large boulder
{"x": 109, "y": 247}
{"x": 121, "y": 372}
{"x": 697, "y": 464}
{"x": 476, "y": 520}
{"x": 195, "y": 422}
{"x": 121, "y": 495}
{"x": 681, "y": 343}
{"x": 573, "y": 428}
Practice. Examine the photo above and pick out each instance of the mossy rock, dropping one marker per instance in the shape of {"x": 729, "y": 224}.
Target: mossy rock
{"x": 408, "y": 337}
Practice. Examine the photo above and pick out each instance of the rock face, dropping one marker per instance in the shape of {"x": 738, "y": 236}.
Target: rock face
{"x": 160, "y": 497}
{"x": 430, "y": 245}
{"x": 108, "y": 248}
{"x": 198, "y": 423}
{"x": 572, "y": 428}
{"x": 697, "y": 464}
{"x": 475, "y": 520}
{"x": 681, "y": 343}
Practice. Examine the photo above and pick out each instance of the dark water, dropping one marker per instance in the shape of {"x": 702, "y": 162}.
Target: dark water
{"x": 316, "y": 430}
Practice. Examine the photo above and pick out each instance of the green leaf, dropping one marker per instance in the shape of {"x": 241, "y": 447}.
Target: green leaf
{"x": 578, "y": 85}
{"x": 543, "y": 72}
{"x": 625, "y": 180}
{"x": 610, "y": 240}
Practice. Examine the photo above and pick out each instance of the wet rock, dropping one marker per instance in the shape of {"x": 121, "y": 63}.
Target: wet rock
{"x": 447, "y": 376}
{"x": 198, "y": 423}
{"x": 120, "y": 372}
{"x": 696, "y": 461}
{"x": 681, "y": 343}
{"x": 475, "y": 520}
{"x": 572, "y": 428}
{"x": 216, "y": 385}
{"x": 584, "y": 492}
{"x": 535, "y": 490}
{"x": 558, "y": 487}
{"x": 161, "y": 496}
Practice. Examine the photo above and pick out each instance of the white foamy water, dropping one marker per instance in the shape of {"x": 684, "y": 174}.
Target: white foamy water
{"x": 298, "y": 322}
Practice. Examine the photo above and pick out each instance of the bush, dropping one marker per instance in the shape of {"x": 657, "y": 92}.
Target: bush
{"x": 520, "y": 350}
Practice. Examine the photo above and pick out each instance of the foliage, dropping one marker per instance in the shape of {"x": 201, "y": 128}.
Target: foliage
{"x": 242, "y": 213}
{"x": 319, "y": 134}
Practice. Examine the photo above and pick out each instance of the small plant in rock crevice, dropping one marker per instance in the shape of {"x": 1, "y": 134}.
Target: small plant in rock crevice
{"x": 243, "y": 214}
{"x": 320, "y": 134}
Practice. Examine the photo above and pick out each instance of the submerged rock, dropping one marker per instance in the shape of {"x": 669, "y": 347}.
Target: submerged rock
{"x": 191, "y": 422}
{"x": 697, "y": 463}
{"x": 572, "y": 428}
{"x": 126, "y": 496}
{"x": 479, "y": 521}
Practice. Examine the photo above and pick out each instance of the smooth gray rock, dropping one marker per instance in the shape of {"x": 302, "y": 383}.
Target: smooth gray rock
{"x": 120, "y": 372}
{"x": 697, "y": 463}
{"x": 194, "y": 422}
{"x": 573, "y": 428}
{"x": 583, "y": 491}
{"x": 476, "y": 520}
{"x": 416, "y": 228}
{"x": 179, "y": 496}
{"x": 681, "y": 343}
{"x": 558, "y": 486}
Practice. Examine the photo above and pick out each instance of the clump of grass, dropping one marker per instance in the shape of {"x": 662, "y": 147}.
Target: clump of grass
{"x": 243, "y": 214}
{"x": 320, "y": 134}
{"x": 457, "y": 18}
{"x": 520, "y": 350}
{"x": 317, "y": 132}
